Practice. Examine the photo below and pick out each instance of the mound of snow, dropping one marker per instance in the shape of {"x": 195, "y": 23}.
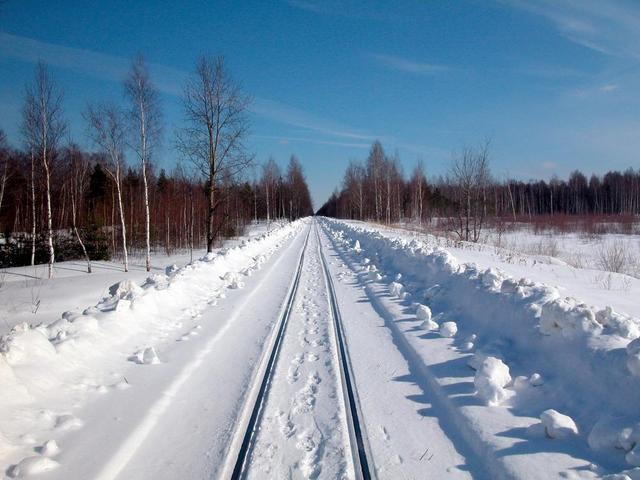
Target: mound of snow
{"x": 171, "y": 270}
{"x": 568, "y": 318}
{"x": 490, "y": 380}
{"x": 557, "y": 425}
{"x": 158, "y": 281}
{"x": 476, "y": 360}
{"x": 49, "y": 449}
{"x": 26, "y": 345}
{"x": 628, "y": 437}
{"x": 396, "y": 289}
{"x": 607, "y": 433}
{"x": 126, "y": 289}
{"x": 429, "y": 325}
{"x": 423, "y": 312}
{"x": 147, "y": 356}
{"x": 448, "y": 329}
{"x": 233, "y": 280}
{"x": 492, "y": 278}
{"x": 536, "y": 380}
{"x": 618, "y": 323}
{"x": 467, "y": 346}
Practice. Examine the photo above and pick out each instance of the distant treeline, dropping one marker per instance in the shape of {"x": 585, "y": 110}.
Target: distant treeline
{"x": 468, "y": 195}
{"x": 177, "y": 202}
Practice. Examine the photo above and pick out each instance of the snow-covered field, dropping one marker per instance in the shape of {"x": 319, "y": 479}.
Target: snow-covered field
{"x": 524, "y": 254}
{"x": 467, "y": 362}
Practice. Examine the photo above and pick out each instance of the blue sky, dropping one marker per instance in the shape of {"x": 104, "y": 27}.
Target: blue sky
{"x": 555, "y": 85}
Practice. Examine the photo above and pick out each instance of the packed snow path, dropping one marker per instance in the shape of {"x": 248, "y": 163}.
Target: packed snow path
{"x": 303, "y": 431}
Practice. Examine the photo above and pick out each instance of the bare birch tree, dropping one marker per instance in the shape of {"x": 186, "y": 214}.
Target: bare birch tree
{"x": 42, "y": 128}
{"x": 145, "y": 119}
{"x": 270, "y": 176}
{"x": 4, "y": 165}
{"x": 107, "y": 129}
{"x": 375, "y": 164}
{"x": 217, "y": 125}
{"x": 418, "y": 185}
{"x": 78, "y": 168}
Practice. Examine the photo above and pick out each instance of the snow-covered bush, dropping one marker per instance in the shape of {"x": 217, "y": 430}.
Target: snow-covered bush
{"x": 448, "y": 329}
{"x": 423, "y": 312}
{"x": 396, "y": 289}
{"x": 557, "y": 425}
{"x": 491, "y": 378}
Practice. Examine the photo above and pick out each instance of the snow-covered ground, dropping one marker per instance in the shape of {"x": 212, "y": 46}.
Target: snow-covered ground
{"x": 124, "y": 387}
{"x": 27, "y": 295}
{"x": 304, "y": 422}
{"x": 532, "y": 384}
{"x": 586, "y": 280}
{"x": 467, "y": 362}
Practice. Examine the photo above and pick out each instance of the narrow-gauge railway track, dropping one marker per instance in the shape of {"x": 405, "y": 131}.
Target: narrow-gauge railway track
{"x": 240, "y": 454}
{"x": 359, "y": 448}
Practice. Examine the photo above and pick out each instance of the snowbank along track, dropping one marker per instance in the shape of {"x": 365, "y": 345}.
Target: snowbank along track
{"x": 240, "y": 453}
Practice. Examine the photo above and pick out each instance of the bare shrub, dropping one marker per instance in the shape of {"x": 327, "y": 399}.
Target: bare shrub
{"x": 548, "y": 246}
{"x": 615, "y": 257}
{"x": 576, "y": 260}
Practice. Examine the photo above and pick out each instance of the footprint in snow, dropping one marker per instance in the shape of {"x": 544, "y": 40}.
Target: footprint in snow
{"x": 68, "y": 422}
{"x": 287, "y": 428}
{"x": 32, "y": 466}
{"x": 292, "y": 374}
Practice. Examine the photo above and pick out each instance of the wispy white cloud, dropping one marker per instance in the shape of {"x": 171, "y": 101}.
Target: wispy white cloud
{"x": 87, "y": 62}
{"x": 168, "y": 80}
{"x": 288, "y": 140}
{"x": 609, "y": 27}
{"x": 299, "y": 118}
{"x": 405, "y": 65}
{"x": 550, "y": 71}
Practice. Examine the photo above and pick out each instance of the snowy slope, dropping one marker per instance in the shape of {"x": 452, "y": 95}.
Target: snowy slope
{"x": 27, "y": 295}
{"x": 547, "y": 352}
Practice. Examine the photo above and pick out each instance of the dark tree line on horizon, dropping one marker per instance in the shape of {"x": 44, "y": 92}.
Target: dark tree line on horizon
{"x": 60, "y": 202}
{"x": 465, "y": 199}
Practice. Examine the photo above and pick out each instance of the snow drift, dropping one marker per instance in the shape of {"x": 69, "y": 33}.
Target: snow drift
{"x": 588, "y": 357}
